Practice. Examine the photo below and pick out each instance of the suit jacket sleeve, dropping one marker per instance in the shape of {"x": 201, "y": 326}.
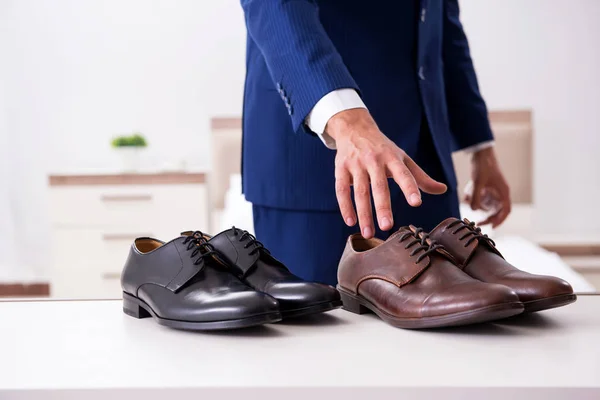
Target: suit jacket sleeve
{"x": 467, "y": 111}
{"x": 301, "y": 59}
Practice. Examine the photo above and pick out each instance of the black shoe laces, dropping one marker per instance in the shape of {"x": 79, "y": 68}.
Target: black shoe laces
{"x": 251, "y": 240}
{"x": 421, "y": 238}
{"x": 471, "y": 230}
{"x": 200, "y": 246}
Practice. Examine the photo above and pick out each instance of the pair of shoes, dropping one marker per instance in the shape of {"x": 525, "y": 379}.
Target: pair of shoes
{"x": 453, "y": 276}
{"x": 228, "y": 281}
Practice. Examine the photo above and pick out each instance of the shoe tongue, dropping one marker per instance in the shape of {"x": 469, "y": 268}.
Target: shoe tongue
{"x": 413, "y": 230}
{"x": 202, "y": 237}
{"x": 398, "y": 233}
{"x": 228, "y": 244}
{"x": 483, "y": 244}
{"x": 235, "y": 235}
{"x": 418, "y": 234}
{"x": 461, "y": 252}
{"x": 442, "y": 225}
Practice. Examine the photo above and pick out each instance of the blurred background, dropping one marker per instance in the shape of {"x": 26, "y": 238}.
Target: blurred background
{"x": 121, "y": 118}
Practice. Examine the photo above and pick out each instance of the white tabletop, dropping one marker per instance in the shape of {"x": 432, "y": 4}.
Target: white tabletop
{"x": 93, "y": 345}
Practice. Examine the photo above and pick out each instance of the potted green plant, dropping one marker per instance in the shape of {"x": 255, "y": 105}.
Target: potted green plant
{"x": 129, "y": 148}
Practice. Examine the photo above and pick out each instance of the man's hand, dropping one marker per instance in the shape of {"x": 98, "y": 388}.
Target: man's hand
{"x": 489, "y": 181}
{"x": 365, "y": 159}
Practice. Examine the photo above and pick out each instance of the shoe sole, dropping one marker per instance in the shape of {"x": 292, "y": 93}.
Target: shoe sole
{"x": 359, "y": 305}
{"x": 314, "y": 309}
{"x": 549, "y": 302}
{"x": 137, "y": 308}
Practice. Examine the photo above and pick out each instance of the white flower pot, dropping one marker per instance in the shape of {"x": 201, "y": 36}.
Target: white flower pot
{"x": 130, "y": 158}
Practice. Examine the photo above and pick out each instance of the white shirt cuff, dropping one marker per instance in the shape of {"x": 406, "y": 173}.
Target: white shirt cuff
{"x": 479, "y": 146}
{"x": 332, "y": 103}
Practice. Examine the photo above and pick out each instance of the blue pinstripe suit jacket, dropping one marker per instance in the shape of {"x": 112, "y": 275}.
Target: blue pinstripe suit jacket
{"x": 407, "y": 59}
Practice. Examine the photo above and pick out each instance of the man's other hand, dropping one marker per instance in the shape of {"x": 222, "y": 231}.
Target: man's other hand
{"x": 489, "y": 181}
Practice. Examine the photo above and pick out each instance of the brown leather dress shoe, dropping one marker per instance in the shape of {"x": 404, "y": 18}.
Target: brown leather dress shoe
{"x": 478, "y": 256}
{"x": 409, "y": 281}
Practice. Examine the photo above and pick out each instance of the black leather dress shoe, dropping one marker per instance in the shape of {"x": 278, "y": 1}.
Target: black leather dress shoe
{"x": 254, "y": 265}
{"x": 182, "y": 285}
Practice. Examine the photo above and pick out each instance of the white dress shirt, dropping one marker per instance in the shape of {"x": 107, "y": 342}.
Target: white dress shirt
{"x": 346, "y": 99}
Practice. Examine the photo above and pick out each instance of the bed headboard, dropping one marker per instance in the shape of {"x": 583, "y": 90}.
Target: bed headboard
{"x": 514, "y": 147}
{"x": 226, "y": 156}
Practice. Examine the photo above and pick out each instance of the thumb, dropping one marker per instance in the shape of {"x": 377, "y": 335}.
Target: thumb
{"x": 467, "y": 199}
{"x": 476, "y": 196}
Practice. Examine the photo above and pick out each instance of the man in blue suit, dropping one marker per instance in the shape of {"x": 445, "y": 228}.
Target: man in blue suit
{"x": 390, "y": 86}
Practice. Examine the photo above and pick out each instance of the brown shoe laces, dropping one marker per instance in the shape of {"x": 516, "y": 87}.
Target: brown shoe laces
{"x": 471, "y": 230}
{"x": 426, "y": 245}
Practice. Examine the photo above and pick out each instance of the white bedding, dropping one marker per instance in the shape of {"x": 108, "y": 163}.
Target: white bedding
{"x": 520, "y": 252}
{"x": 237, "y": 211}
{"x": 530, "y": 257}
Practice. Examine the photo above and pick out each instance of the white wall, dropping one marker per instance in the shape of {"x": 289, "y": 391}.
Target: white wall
{"x": 545, "y": 55}
{"x": 77, "y": 72}
{"x": 8, "y": 251}
{"x": 22, "y": 216}
{"x": 88, "y": 70}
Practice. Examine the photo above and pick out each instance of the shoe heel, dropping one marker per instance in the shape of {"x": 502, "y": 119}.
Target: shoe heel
{"x": 352, "y": 305}
{"x": 131, "y": 308}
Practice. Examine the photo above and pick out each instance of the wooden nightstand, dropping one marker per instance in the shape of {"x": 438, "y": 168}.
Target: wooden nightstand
{"x": 94, "y": 219}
